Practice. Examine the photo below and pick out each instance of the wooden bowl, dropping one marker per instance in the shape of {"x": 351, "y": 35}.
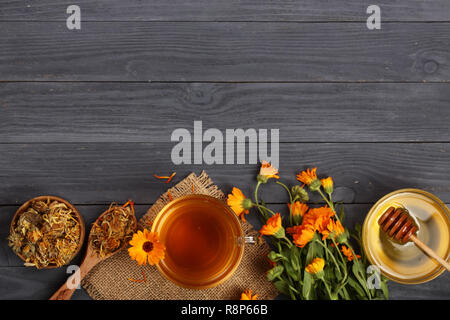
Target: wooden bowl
{"x": 76, "y": 215}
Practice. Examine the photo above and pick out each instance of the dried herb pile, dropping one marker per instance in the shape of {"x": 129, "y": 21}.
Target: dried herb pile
{"x": 112, "y": 230}
{"x": 46, "y": 233}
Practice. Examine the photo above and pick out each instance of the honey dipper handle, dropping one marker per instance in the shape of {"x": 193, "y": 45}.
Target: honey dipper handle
{"x": 430, "y": 252}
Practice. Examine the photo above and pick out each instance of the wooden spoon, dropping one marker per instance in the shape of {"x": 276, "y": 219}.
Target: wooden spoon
{"x": 90, "y": 260}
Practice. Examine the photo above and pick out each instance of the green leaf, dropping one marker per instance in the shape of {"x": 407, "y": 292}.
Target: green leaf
{"x": 341, "y": 213}
{"x": 290, "y": 271}
{"x": 358, "y": 271}
{"x": 273, "y": 256}
{"x": 355, "y": 285}
{"x": 275, "y": 272}
{"x": 358, "y": 228}
{"x": 330, "y": 273}
{"x": 307, "y": 284}
{"x": 384, "y": 289}
{"x": 314, "y": 249}
{"x": 295, "y": 258}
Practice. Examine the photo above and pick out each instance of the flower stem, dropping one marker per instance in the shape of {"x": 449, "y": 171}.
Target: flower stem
{"x": 287, "y": 189}
{"x": 332, "y": 256}
{"x": 330, "y": 204}
{"x": 332, "y": 296}
{"x": 288, "y": 241}
{"x": 291, "y": 200}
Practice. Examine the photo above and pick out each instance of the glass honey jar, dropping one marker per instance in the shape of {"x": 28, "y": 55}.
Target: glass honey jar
{"x": 406, "y": 263}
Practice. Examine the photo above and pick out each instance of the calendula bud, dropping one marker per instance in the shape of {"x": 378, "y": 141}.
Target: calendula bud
{"x": 273, "y": 256}
{"x": 327, "y": 185}
{"x": 247, "y": 204}
{"x": 342, "y": 238}
{"x": 280, "y": 233}
{"x": 300, "y": 193}
{"x": 320, "y": 274}
{"x": 261, "y": 178}
{"x": 275, "y": 272}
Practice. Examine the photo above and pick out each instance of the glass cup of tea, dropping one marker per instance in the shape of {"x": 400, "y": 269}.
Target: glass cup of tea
{"x": 204, "y": 241}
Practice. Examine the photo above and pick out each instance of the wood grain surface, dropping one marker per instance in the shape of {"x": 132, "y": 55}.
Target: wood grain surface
{"x": 230, "y": 10}
{"x": 224, "y": 51}
{"x": 149, "y": 112}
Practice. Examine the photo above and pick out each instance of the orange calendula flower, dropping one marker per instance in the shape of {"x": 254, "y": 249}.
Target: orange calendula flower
{"x": 146, "y": 247}
{"x": 267, "y": 171}
{"x": 307, "y": 176}
{"x": 239, "y": 203}
{"x": 302, "y": 235}
{"x": 327, "y": 185}
{"x": 315, "y": 266}
{"x": 318, "y": 218}
{"x": 298, "y": 208}
{"x": 247, "y": 295}
{"x": 333, "y": 226}
{"x": 273, "y": 227}
{"x": 348, "y": 253}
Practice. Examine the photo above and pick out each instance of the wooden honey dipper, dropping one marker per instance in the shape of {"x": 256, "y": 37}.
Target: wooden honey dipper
{"x": 398, "y": 225}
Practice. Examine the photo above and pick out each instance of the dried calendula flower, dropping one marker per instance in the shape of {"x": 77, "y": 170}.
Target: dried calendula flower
{"x": 114, "y": 228}
{"x": 46, "y": 234}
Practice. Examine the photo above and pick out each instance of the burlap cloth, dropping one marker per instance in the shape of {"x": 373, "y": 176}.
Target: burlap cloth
{"x": 109, "y": 279}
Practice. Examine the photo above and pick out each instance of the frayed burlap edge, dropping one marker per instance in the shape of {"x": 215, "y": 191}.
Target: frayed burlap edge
{"x": 109, "y": 280}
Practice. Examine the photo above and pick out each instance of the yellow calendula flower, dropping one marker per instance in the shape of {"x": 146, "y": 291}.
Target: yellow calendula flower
{"x": 273, "y": 227}
{"x": 145, "y": 246}
{"x": 239, "y": 203}
{"x": 316, "y": 266}
{"x": 309, "y": 177}
{"x": 247, "y": 295}
{"x": 327, "y": 185}
{"x": 266, "y": 172}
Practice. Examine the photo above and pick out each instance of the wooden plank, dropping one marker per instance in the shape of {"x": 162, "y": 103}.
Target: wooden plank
{"x": 231, "y": 10}
{"x": 137, "y": 112}
{"x": 26, "y": 283}
{"x": 182, "y": 51}
{"x": 106, "y": 172}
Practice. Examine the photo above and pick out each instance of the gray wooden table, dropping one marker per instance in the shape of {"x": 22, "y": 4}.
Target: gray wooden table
{"x": 87, "y": 114}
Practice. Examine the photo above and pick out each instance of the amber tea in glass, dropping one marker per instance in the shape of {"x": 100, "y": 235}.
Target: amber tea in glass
{"x": 203, "y": 239}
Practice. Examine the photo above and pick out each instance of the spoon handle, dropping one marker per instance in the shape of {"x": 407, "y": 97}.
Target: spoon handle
{"x": 64, "y": 292}
{"x": 430, "y": 252}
